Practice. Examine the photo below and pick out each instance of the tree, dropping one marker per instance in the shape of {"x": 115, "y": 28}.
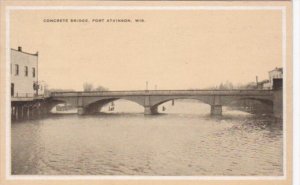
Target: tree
{"x": 226, "y": 86}
{"x": 100, "y": 88}
{"x": 251, "y": 85}
{"x": 87, "y": 87}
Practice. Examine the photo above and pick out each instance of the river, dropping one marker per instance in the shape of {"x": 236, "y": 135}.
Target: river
{"x": 181, "y": 141}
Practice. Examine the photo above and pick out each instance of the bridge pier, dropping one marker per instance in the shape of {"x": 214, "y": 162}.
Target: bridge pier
{"x": 92, "y": 109}
{"x": 278, "y": 104}
{"x": 216, "y": 110}
{"x": 13, "y": 112}
{"x": 16, "y": 112}
{"x": 81, "y": 110}
{"x": 19, "y": 113}
{"x": 27, "y": 114}
{"x": 150, "y": 110}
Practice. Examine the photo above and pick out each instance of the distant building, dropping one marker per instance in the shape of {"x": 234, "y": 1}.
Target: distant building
{"x": 274, "y": 82}
{"x": 24, "y": 74}
{"x": 265, "y": 84}
{"x": 275, "y": 78}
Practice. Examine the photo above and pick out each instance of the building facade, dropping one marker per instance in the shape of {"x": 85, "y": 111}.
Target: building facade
{"x": 24, "y": 73}
{"x": 275, "y": 76}
{"x": 274, "y": 82}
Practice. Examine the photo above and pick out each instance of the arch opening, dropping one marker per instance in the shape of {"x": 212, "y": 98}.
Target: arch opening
{"x": 114, "y": 105}
{"x": 251, "y": 105}
{"x": 61, "y": 107}
{"x": 183, "y": 106}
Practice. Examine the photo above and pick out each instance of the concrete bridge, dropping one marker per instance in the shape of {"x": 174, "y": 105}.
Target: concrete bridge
{"x": 91, "y": 102}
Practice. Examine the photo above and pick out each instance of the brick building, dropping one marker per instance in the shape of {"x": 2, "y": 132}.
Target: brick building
{"x": 24, "y": 73}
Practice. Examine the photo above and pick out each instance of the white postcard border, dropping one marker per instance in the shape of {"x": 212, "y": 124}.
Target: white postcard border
{"x": 175, "y": 8}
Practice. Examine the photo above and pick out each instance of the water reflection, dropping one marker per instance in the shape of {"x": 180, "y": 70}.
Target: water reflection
{"x": 183, "y": 140}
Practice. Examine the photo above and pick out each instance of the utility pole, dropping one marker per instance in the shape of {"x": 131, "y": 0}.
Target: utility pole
{"x": 146, "y": 85}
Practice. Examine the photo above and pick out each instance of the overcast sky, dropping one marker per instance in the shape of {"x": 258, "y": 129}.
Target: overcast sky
{"x": 171, "y": 49}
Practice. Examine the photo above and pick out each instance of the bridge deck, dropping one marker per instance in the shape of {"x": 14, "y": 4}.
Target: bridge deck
{"x": 166, "y": 92}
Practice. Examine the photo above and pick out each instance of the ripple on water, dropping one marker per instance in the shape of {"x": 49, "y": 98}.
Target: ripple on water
{"x": 133, "y": 144}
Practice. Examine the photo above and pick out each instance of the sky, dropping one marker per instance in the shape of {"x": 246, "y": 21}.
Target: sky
{"x": 170, "y": 49}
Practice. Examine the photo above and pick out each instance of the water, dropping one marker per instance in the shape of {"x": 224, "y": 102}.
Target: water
{"x": 184, "y": 140}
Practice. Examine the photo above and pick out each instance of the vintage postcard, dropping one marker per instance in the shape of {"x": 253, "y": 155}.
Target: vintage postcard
{"x": 154, "y": 92}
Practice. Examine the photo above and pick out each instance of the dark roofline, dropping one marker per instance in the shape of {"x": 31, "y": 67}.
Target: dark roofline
{"x": 33, "y": 54}
{"x": 277, "y": 69}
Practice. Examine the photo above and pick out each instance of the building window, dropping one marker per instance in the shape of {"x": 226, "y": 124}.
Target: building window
{"x": 16, "y": 69}
{"x": 12, "y": 89}
{"x": 33, "y": 72}
{"x": 26, "y": 71}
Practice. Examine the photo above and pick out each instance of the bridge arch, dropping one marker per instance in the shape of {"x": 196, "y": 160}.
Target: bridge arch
{"x": 158, "y": 100}
{"x": 179, "y": 98}
{"x": 253, "y": 105}
{"x": 230, "y": 100}
{"x": 53, "y": 103}
{"x": 95, "y": 106}
{"x": 182, "y": 106}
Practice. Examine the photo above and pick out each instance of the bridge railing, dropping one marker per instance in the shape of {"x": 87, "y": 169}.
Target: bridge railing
{"x": 28, "y": 98}
{"x": 23, "y": 95}
{"x": 162, "y": 92}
